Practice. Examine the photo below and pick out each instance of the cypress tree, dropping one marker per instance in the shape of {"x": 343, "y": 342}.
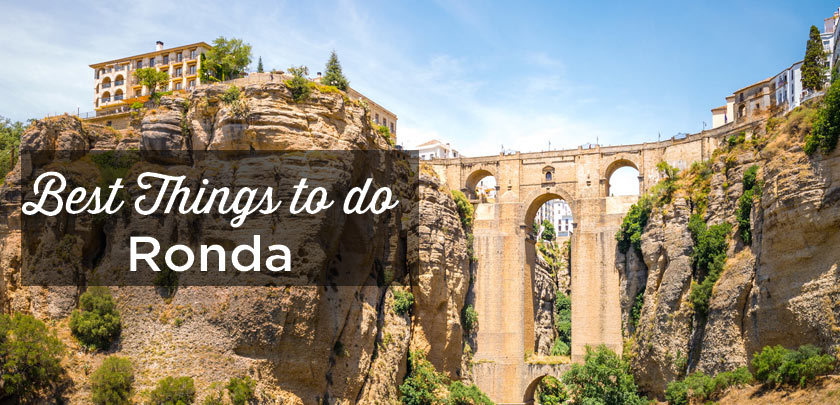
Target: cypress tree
{"x": 813, "y": 67}
{"x": 259, "y": 65}
{"x": 333, "y": 75}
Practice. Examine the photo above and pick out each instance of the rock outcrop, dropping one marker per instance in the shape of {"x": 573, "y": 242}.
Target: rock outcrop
{"x": 303, "y": 344}
{"x": 780, "y": 289}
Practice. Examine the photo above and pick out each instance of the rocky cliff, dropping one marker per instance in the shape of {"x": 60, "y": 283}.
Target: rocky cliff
{"x": 303, "y": 344}
{"x": 780, "y": 287}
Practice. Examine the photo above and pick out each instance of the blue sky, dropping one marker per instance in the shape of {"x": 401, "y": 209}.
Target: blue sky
{"x": 477, "y": 74}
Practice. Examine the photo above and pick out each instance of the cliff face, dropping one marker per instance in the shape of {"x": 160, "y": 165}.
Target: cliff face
{"x": 780, "y": 289}
{"x": 303, "y": 344}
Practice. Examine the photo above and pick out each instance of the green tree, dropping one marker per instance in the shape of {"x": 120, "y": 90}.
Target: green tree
{"x": 603, "y": 378}
{"x": 462, "y": 394}
{"x": 826, "y": 130}
{"x": 30, "y": 356}
{"x": 241, "y": 390}
{"x": 551, "y": 391}
{"x": 563, "y": 321}
{"x": 298, "y": 84}
{"x": 548, "y": 230}
{"x": 10, "y": 133}
{"x": 813, "y": 67}
{"x": 97, "y": 322}
{"x": 421, "y": 382}
{"x": 259, "y": 65}
{"x": 333, "y": 75}
{"x": 151, "y": 78}
{"x": 173, "y": 391}
{"x": 113, "y": 382}
{"x": 227, "y": 59}
{"x": 403, "y": 301}
{"x": 630, "y": 232}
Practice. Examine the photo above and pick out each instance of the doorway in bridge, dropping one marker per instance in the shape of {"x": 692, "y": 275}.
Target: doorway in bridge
{"x": 623, "y": 180}
{"x": 552, "y": 230}
{"x": 481, "y": 186}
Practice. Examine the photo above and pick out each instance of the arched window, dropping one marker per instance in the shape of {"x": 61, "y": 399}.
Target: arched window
{"x": 547, "y": 176}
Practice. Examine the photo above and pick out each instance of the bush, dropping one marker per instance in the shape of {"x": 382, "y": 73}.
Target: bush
{"x": 603, "y": 378}
{"x": 30, "y": 356}
{"x": 421, "y": 382}
{"x": 403, "y": 301}
{"x": 736, "y": 139}
{"x": 173, "y": 391}
{"x": 385, "y": 133}
{"x": 776, "y": 365}
{"x": 630, "y": 233}
{"x": 551, "y": 391}
{"x": 708, "y": 258}
{"x": 636, "y": 311}
{"x": 167, "y": 280}
{"x": 460, "y": 394}
{"x": 112, "y": 383}
{"x": 241, "y": 390}
{"x": 469, "y": 319}
{"x": 231, "y": 94}
{"x": 826, "y": 129}
{"x": 563, "y": 318}
{"x": 465, "y": 209}
{"x": 298, "y": 84}
{"x": 97, "y": 322}
{"x": 701, "y": 387}
{"x": 752, "y": 190}
{"x": 560, "y": 348}
{"x": 548, "y": 230}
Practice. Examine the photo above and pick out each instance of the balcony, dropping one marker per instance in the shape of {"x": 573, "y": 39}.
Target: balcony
{"x": 119, "y": 82}
{"x": 118, "y": 97}
{"x": 106, "y": 85}
{"x": 106, "y": 100}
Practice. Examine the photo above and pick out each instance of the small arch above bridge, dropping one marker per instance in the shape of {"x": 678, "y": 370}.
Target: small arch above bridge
{"x": 535, "y": 374}
{"x": 474, "y": 179}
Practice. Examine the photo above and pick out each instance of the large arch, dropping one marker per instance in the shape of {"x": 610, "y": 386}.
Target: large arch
{"x": 535, "y": 199}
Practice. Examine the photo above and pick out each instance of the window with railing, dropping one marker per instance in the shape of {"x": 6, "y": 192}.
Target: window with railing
{"x": 106, "y": 85}
{"x": 192, "y": 69}
{"x": 179, "y": 57}
{"x": 106, "y": 99}
{"x": 118, "y": 97}
{"x": 119, "y": 82}
{"x": 193, "y": 54}
{"x": 178, "y": 86}
{"x": 178, "y": 72}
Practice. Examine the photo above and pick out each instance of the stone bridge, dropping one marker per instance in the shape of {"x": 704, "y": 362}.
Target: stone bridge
{"x": 505, "y": 249}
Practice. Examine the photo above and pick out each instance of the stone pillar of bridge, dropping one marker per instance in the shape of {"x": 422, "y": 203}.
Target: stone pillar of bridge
{"x": 502, "y": 301}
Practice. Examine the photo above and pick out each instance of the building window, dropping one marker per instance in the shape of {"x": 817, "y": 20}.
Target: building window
{"x": 392, "y": 127}
{"x": 192, "y": 84}
{"x": 179, "y": 56}
{"x": 138, "y": 93}
{"x": 151, "y": 62}
{"x": 165, "y": 59}
{"x": 377, "y": 118}
{"x": 192, "y": 54}
{"x": 178, "y": 86}
{"x": 547, "y": 176}
{"x": 178, "y": 72}
{"x": 139, "y": 64}
{"x": 192, "y": 69}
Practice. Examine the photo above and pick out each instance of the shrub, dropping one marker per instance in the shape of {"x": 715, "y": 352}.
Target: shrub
{"x": 465, "y": 209}
{"x": 603, "y": 378}
{"x": 231, "y": 94}
{"x": 460, "y": 394}
{"x": 241, "y": 390}
{"x": 421, "y": 382}
{"x": 563, "y": 318}
{"x": 752, "y": 190}
{"x": 551, "y": 391}
{"x": 826, "y": 129}
{"x": 112, "y": 383}
{"x": 173, "y": 391}
{"x": 708, "y": 258}
{"x": 385, "y": 133}
{"x": 97, "y": 322}
{"x": 701, "y": 387}
{"x": 548, "y": 231}
{"x": 403, "y": 301}
{"x": 298, "y": 84}
{"x": 636, "y": 311}
{"x": 736, "y": 139}
{"x": 30, "y": 356}
{"x": 470, "y": 319}
{"x": 776, "y": 365}
{"x": 560, "y": 348}
{"x": 630, "y": 233}
{"x": 167, "y": 280}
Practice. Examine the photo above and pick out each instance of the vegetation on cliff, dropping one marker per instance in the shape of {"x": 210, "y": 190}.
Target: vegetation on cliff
{"x": 113, "y": 382}
{"x": 227, "y": 59}
{"x": 333, "y": 76}
{"x": 562, "y": 325}
{"x": 97, "y": 322}
{"x": 10, "y": 133}
{"x": 708, "y": 259}
{"x": 603, "y": 378}
{"x": 30, "y": 356}
{"x": 776, "y": 365}
{"x": 700, "y": 387}
{"x": 826, "y": 129}
{"x": 424, "y": 385}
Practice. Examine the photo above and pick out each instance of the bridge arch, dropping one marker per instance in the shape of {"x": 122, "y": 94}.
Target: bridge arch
{"x": 474, "y": 178}
{"x": 616, "y": 164}
{"x": 529, "y": 396}
{"x": 535, "y": 199}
